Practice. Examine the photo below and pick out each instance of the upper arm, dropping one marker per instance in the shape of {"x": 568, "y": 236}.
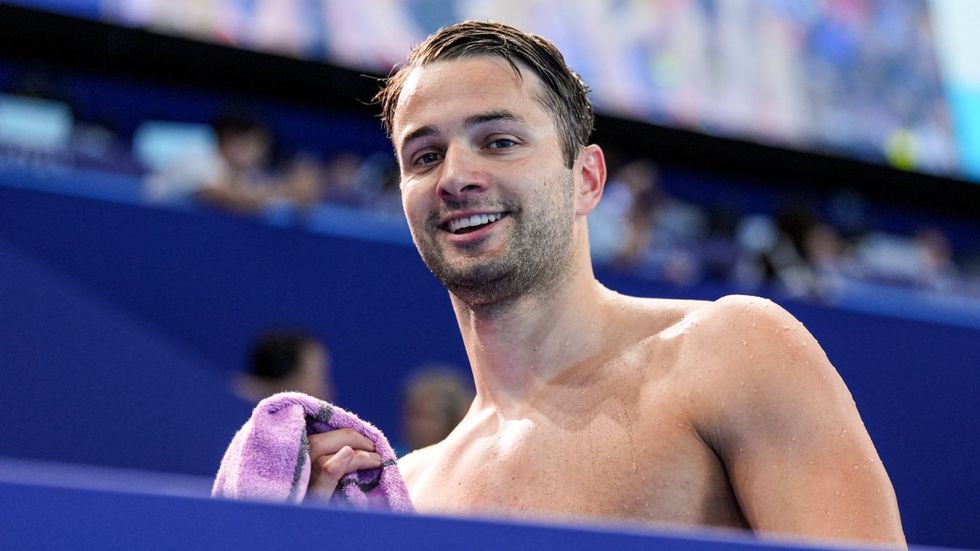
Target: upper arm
{"x": 789, "y": 434}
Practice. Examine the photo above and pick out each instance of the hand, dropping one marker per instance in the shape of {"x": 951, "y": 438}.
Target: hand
{"x": 334, "y": 454}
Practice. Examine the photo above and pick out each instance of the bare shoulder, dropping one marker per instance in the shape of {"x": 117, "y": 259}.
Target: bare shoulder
{"x": 762, "y": 368}
{"x": 412, "y": 465}
{"x": 728, "y": 337}
{"x": 783, "y": 422}
{"x": 752, "y": 333}
{"x": 735, "y": 314}
{"x": 675, "y": 315}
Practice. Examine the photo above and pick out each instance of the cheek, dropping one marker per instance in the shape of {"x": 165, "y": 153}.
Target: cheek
{"x": 414, "y": 204}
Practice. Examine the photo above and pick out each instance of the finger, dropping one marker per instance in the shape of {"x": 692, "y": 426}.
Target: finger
{"x": 330, "y": 442}
{"x": 363, "y": 460}
{"x": 334, "y": 466}
{"x": 327, "y": 472}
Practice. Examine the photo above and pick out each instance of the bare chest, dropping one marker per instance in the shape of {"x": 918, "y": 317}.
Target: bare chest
{"x": 607, "y": 465}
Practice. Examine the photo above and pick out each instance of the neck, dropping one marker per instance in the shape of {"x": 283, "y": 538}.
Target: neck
{"x": 518, "y": 346}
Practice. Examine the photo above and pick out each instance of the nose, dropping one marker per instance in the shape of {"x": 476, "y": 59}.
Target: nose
{"x": 462, "y": 175}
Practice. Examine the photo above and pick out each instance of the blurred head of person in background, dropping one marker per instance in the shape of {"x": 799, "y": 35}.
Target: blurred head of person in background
{"x": 286, "y": 360}
{"x": 434, "y": 401}
{"x": 244, "y": 141}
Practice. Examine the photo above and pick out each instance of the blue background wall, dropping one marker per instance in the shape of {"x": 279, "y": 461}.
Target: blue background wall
{"x": 122, "y": 323}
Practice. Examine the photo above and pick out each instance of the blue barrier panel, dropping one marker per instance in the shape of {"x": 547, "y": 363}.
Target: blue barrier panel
{"x": 82, "y": 382}
{"x": 38, "y": 517}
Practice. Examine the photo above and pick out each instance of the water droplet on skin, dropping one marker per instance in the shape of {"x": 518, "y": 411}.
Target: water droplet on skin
{"x": 794, "y": 439}
{"x": 753, "y": 324}
{"x": 741, "y": 383}
{"x": 744, "y": 343}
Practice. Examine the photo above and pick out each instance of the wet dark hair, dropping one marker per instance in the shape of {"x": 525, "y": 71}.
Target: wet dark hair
{"x": 564, "y": 94}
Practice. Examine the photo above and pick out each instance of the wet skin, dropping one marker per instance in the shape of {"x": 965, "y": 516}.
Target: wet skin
{"x": 592, "y": 404}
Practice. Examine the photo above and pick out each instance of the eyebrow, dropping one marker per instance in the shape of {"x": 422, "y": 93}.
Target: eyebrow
{"x": 471, "y": 121}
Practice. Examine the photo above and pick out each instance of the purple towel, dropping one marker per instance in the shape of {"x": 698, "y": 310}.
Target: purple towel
{"x": 268, "y": 459}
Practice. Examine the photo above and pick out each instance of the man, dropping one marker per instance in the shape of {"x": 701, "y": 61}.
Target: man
{"x": 590, "y": 403}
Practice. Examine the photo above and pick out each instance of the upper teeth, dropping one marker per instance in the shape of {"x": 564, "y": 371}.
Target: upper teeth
{"x": 475, "y": 220}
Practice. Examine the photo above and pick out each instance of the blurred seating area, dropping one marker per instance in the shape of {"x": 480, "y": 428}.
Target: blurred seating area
{"x": 333, "y": 171}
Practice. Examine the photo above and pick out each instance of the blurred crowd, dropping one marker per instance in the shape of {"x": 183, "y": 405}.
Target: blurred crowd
{"x": 644, "y": 225}
{"x": 802, "y": 248}
{"x": 639, "y": 227}
{"x": 236, "y": 171}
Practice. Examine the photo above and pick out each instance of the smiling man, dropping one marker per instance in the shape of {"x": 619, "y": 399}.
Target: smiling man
{"x": 591, "y": 404}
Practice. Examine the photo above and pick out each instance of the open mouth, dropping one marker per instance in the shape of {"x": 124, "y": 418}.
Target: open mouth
{"x": 472, "y": 223}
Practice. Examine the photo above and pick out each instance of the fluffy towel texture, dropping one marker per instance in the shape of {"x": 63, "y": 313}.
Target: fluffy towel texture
{"x": 268, "y": 458}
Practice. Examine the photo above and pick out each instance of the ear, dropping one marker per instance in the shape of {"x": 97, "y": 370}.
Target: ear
{"x": 590, "y": 180}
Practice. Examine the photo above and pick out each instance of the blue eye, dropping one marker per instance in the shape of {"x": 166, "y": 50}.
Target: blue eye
{"x": 427, "y": 158}
{"x": 502, "y": 143}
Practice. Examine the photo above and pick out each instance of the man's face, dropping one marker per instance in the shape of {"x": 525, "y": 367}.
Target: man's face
{"x": 488, "y": 199}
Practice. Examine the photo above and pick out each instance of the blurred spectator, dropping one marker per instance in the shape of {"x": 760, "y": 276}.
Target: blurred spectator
{"x": 786, "y": 263}
{"x": 720, "y": 252}
{"x": 286, "y": 360}
{"x": 341, "y": 178}
{"x": 434, "y": 401}
{"x": 236, "y": 175}
{"x": 642, "y": 180}
{"x": 379, "y": 181}
{"x": 639, "y": 228}
{"x": 938, "y": 271}
{"x": 797, "y": 253}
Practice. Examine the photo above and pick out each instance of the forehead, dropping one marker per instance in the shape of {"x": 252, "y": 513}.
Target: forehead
{"x": 441, "y": 92}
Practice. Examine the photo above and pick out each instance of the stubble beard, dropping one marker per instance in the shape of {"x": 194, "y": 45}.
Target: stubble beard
{"x": 533, "y": 261}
